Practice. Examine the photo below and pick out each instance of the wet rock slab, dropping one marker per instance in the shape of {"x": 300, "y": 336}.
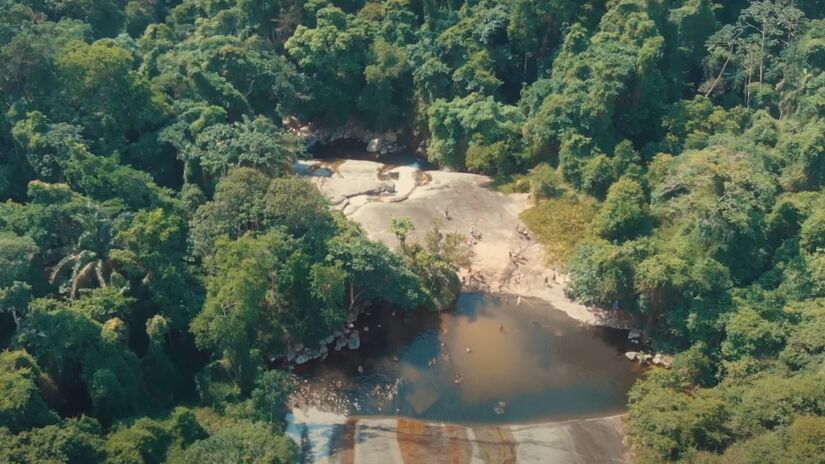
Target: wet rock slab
{"x": 403, "y": 441}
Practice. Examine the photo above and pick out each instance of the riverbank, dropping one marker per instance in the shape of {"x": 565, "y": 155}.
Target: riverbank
{"x": 505, "y": 259}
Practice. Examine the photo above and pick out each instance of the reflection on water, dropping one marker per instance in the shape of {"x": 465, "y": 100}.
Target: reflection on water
{"x": 527, "y": 360}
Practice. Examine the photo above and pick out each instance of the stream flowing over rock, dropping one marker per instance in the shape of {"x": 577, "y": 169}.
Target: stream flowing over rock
{"x": 335, "y": 439}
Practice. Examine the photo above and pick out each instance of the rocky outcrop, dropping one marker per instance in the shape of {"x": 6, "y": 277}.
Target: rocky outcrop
{"x": 657, "y": 359}
{"x": 505, "y": 259}
{"x": 301, "y": 354}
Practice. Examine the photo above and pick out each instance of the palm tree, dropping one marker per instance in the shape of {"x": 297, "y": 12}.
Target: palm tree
{"x": 791, "y": 89}
{"x": 89, "y": 257}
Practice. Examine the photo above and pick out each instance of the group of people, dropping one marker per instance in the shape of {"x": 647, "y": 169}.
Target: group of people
{"x": 517, "y": 258}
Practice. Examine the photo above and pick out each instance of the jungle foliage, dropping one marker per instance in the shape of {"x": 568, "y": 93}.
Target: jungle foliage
{"x": 156, "y": 248}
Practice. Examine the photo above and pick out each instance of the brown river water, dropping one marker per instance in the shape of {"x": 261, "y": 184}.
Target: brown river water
{"x": 494, "y": 359}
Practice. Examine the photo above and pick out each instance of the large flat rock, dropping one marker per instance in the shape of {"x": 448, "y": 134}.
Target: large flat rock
{"x": 505, "y": 261}
{"x": 337, "y": 440}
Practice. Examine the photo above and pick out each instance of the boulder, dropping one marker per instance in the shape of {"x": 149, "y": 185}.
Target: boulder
{"x": 354, "y": 341}
{"x": 631, "y": 355}
{"x": 374, "y": 145}
{"x": 390, "y": 136}
{"x": 635, "y": 334}
{"x": 340, "y": 342}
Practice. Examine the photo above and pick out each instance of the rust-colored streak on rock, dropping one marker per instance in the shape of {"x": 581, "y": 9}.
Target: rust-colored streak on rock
{"x": 495, "y": 445}
{"x": 416, "y": 442}
{"x": 344, "y": 453}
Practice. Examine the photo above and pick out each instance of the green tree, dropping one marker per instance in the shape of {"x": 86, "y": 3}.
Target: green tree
{"x": 402, "y": 227}
{"x": 332, "y": 55}
{"x": 16, "y": 258}
{"x": 238, "y": 206}
{"x": 252, "y": 442}
{"x": 600, "y": 274}
{"x": 77, "y": 351}
{"x": 145, "y": 441}
{"x": 624, "y": 214}
{"x": 238, "y": 291}
{"x": 22, "y": 406}
{"x": 254, "y": 143}
{"x": 153, "y": 257}
{"x": 475, "y": 121}
{"x": 272, "y": 389}
{"x": 73, "y": 441}
{"x": 384, "y": 100}
{"x": 98, "y": 79}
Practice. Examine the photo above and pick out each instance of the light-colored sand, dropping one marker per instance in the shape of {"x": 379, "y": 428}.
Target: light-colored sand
{"x": 504, "y": 260}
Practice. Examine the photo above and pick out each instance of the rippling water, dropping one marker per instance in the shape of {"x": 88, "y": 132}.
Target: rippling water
{"x": 526, "y": 362}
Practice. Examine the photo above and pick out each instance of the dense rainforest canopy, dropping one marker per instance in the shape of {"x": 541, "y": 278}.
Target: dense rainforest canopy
{"x": 157, "y": 253}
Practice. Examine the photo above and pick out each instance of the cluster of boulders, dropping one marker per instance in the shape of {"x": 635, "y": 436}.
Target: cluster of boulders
{"x": 384, "y": 143}
{"x": 376, "y": 142}
{"x": 302, "y": 354}
{"x": 657, "y": 359}
{"x": 348, "y": 338}
{"x": 636, "y": 337}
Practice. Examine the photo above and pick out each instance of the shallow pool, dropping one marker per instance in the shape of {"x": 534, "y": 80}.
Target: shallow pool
{"x": 494, "y": 359}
